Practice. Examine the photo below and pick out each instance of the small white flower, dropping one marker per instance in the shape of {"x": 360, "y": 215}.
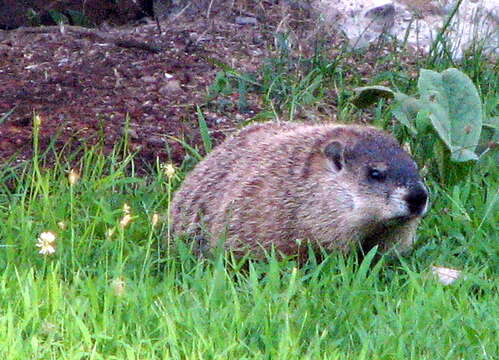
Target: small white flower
{"x": 118, "y": 286}
{"x": 110, "y": 232}
{"x": 169, "y": 170}
{"x": 126, "y": 209}
{"x": 154, "y": 219}
{"x": 46, "y": 243}
{"x": 73, "y": 177}
{"x": 125, "y": 220}
{"x": 62, "y": 225}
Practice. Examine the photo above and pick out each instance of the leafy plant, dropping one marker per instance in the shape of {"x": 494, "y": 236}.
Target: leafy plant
{"x": 286, "y": 82}
{"x": 230, "y": 81}
{"x": 34, "y": 17}
{"x": 447, "y": 114}
{"x": 58, "y": 17}
{"x": 289, "y": 83}
{"x": 205, "y": 134}
{"x": 220, "y": 86}
{"x": 78, "y": 18}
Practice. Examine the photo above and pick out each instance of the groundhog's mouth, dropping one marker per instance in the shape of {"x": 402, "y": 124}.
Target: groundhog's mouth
{"x": 380, "y": 232}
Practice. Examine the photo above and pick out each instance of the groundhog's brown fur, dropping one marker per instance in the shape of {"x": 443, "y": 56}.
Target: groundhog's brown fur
{"x": 286, "y": 185}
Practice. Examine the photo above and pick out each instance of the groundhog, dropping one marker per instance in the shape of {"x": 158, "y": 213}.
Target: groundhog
{"x": 286, "y": 187}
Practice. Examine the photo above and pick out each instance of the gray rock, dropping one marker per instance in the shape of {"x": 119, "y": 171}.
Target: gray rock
{"x": 133, "y": 134}
{"x": 155, "y": 141}
{"x": 148, "y": 79}
{"x": 246, "y": 20}
{"x": 418, "y": 23}
{"x": 171, "y": 87}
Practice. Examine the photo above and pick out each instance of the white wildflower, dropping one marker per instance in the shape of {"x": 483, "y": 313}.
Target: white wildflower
{"x": 73, "y": 177}
{"x": 46, "y": 243}
{"x": 118, "y": 286}
{"x": 154, "y": 219}
{"x": 169, "y": 170}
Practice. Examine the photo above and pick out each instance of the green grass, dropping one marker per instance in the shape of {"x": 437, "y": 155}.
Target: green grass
{"x": 129, "y": 296}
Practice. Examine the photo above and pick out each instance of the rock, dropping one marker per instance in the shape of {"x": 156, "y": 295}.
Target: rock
{"x": 132, "y": 133}
{"x": 172, "y": 86}
{"x": 148, "y": 79}
{"x": 246, "y": 20}
{"x": 155, "y": 141}
{"x": 416, "y": 22}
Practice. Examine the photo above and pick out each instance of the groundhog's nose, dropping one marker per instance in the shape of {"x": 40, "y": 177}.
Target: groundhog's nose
{"x": 417, "y": 200}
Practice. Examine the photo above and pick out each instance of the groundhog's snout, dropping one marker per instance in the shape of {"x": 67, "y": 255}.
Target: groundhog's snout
{"x": 417, "y": 200}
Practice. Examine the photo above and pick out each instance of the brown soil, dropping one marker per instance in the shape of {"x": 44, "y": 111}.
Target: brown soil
{"x": 92, "y": 85}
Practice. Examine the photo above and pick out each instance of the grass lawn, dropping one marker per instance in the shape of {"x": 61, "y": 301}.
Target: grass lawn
{"x": 110, "y": 291}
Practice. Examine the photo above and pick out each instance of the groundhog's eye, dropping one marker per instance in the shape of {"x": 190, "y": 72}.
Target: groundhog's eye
{"x": 375, "y": 174}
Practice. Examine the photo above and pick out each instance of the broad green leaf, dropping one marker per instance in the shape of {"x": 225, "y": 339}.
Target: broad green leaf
{"x": 368, "y": 95}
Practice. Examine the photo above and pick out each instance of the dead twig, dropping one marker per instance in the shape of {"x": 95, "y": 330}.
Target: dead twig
{"x": 115, "y": 39}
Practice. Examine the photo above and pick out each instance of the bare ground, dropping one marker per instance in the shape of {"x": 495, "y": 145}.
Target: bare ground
{"x": 95, "y": 85}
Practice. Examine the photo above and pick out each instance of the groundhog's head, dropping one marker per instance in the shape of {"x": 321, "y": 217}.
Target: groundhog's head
{"x": 387, "y": 195}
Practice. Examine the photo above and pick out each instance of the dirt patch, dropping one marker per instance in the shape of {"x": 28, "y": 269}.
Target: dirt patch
{"x": 96, "y": 85}
{"x": 84, "y": 87}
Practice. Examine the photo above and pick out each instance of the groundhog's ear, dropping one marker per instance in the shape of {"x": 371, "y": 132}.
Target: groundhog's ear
{"x": 334, "y": 152}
